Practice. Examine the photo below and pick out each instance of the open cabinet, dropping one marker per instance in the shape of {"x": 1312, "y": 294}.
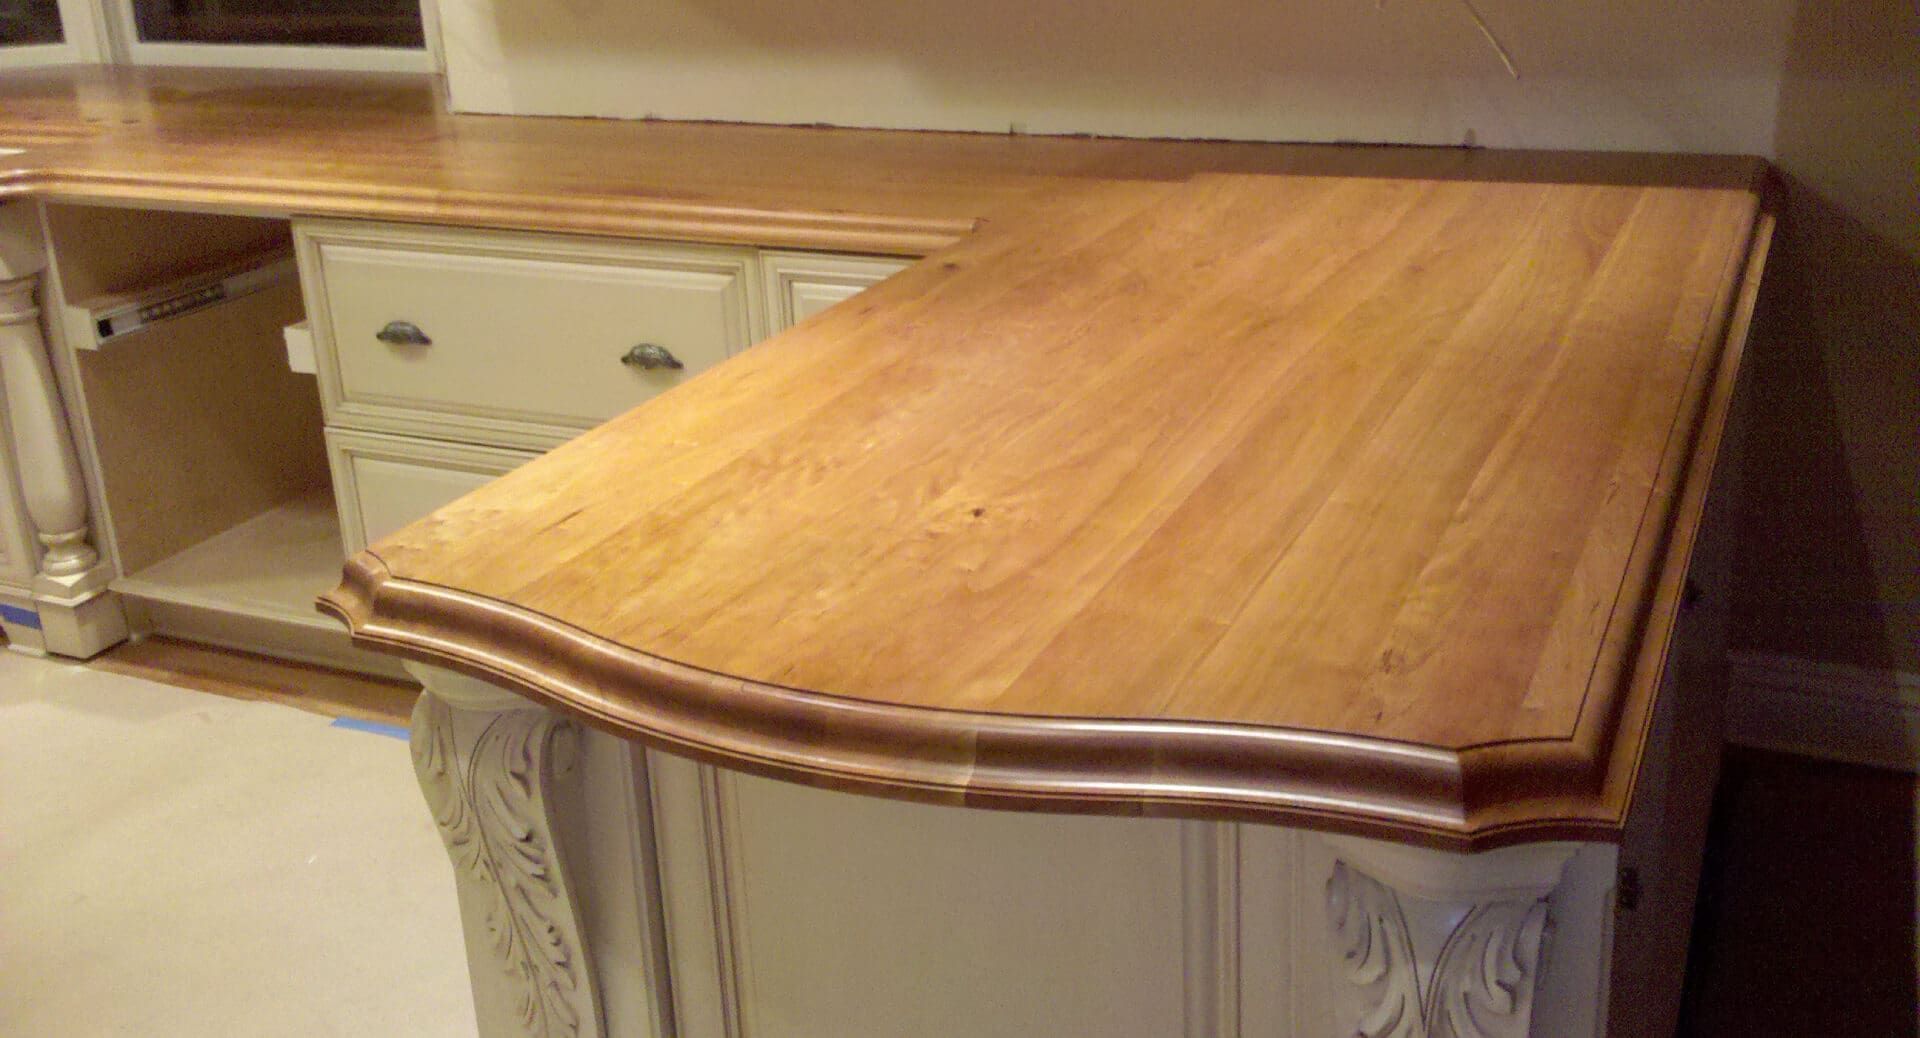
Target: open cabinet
{"x": 232, "y": 465}
{"x": 204, "y": 452}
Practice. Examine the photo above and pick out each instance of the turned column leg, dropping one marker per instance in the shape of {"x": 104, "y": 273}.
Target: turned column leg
{"x": 495, "y": 769}
{"x": 76, "y": 618}
{"x": 1434, "y": 945}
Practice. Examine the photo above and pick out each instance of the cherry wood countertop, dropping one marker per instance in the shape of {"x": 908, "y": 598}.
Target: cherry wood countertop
{"x": 1345, "y": 487}
{"x": 381, "y": 146}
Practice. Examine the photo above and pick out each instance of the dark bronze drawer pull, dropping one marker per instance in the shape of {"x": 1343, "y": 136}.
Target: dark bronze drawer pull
{"x": 403, "y": 333}
{"x": 648, "y": 357}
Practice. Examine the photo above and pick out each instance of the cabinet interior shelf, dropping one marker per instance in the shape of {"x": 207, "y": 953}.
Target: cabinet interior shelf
{"x": 269, "y": 567}
{"x": 252, "y": 587}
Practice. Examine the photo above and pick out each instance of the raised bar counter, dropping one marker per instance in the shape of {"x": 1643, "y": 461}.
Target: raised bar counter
{"x": 1353, "y": 503}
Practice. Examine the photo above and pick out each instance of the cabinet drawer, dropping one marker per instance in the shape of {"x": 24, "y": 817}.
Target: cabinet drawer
{"x": 801, "y": 284}
{"x": 523, "y": 337}
{"x": 385, "y": 482}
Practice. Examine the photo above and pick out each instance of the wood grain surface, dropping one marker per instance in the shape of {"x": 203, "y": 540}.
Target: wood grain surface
{"x": 1339, "y": 486}
{"x": 1337, "y": 500}
{"x": 380, "y": 146}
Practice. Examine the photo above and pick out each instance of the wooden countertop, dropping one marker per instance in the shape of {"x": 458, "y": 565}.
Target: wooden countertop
{"x": 1173, "y": 487}
{"x": 381, "y": 146}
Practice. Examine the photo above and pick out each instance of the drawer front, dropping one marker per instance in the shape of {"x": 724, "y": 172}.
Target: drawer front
{"x": 801, "y": 284}
{"x": 382, "y": 483}
{"x": 524, "y": 335}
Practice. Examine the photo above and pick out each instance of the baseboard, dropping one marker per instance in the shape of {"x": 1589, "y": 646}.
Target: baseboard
{"x": 316, "y": 642}
{"x": 1857, "y": 715}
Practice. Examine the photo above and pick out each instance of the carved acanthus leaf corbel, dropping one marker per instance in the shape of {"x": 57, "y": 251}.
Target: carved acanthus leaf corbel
{"x": 1376, "y": 955}
{"x": 490, "y": 806}
{"x": 1483, "y": 984}
{"x": 1480, "y": 985}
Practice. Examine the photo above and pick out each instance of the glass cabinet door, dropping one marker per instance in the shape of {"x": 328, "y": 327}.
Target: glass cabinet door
{"x": 329, "y": 23}
{"x": 27, "y": 22}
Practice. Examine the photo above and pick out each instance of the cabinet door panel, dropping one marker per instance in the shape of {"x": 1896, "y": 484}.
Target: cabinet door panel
{"x": 852, "y": 915}
{"x": 801, "y": 284}
{"x": 385, "y": 482}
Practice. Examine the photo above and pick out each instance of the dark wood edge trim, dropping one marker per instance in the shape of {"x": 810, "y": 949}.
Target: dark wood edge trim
{"x": 1661, "y": 564}
{"x": 1708, "y": 423}
{"x": 1343, "y": 784}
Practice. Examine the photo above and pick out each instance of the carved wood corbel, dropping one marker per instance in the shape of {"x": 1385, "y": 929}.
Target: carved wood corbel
{"x": 1427, "y": 947}
{"x": 493, "y": 767}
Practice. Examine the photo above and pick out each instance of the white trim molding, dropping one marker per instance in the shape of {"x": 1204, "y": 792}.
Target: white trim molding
{"x": 241, "y": 55}
{"x": 38, "y": 55}
{"x": 1210, "y": 910}
{"x": 1856, "y": 715}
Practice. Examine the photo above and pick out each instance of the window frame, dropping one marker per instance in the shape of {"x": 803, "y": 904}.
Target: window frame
{"x": 104, "y": 32}
{"x": 82, "y": 40}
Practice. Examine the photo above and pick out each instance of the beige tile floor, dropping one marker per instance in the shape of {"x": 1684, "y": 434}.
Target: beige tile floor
{"x": 178, "y": 863}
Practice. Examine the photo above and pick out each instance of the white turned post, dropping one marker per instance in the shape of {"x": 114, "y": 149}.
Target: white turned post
{"x": 1428, "y": 944}
{"x": 495, "y": 768}
{"x": 76, "y": 618}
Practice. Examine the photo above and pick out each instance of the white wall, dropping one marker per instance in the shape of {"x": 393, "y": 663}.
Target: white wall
{"x": 1610, "y": 74}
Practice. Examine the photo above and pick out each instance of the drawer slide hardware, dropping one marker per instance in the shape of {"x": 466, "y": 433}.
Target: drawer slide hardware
{"x": 111, "y": 317}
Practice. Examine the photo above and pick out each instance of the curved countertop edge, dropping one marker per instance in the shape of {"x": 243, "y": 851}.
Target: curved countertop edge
{"x": 1108, "y": 766}
{"x": 1464, "y": 799}
{"x": 635, "y": 217}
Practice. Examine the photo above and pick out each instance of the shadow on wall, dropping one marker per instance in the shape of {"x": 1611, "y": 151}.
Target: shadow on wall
{"x": 1805, "y": 926}
{"x": 1829, "y": 563}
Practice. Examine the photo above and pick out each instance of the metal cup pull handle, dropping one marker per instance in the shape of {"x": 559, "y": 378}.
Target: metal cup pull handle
{"x": 403, "y": 333}
{"x": 648, "y": 357}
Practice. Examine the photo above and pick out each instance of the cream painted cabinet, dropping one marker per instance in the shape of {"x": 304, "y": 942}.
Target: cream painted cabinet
{"x": 446, "y": 356}
{"x": 385, "y": 482}
{"x": 801, "y": 284}
{"x": 512, "y": 339}
{"x": 850, "y": 915}
{"x": 198, "y": 451}
{"x": 676, "y": 899}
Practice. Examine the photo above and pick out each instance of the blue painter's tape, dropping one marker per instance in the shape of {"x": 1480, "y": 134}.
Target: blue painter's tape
{"x": 391, "y": 730}
{"x": 20, "y": 617}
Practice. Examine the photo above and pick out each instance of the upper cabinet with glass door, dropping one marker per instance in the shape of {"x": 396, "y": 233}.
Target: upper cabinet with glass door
{"x": 32, "y": 32}
{"x": 26, "y": 23}
{"x": 387, "y": 35}
{"x": 280, "y": 23}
